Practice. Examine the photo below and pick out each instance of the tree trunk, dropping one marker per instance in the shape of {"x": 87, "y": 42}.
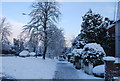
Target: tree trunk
{"x": 45, "y": 44}
{"x": 34, "y": 49}
{"x": 45, "y": 32}
{"x": 37, "y": 44}
{"x": 44, "y": 52}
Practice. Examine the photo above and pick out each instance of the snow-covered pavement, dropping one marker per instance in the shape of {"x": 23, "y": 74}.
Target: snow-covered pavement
{"x": 37, "y": 68}
{"x": 28, "y": 68}
{"x": 65, "y": 70}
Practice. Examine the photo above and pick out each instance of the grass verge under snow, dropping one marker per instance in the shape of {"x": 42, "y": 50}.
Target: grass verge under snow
{"x": 28, "y": 68}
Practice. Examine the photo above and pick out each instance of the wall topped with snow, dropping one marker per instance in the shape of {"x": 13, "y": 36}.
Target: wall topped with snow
{"x": 109, "y": 58}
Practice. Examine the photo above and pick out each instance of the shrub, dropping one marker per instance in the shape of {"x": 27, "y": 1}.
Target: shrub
{"x": 93, "y": 53}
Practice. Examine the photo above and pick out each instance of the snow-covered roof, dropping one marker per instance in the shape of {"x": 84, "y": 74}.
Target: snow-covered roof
{"x": 110, "y": 26}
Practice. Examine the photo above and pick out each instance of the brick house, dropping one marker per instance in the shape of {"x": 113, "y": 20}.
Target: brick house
{"x": 111, "y": 31}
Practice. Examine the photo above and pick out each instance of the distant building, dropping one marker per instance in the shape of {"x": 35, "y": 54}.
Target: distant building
{"x": 114, "y": 32}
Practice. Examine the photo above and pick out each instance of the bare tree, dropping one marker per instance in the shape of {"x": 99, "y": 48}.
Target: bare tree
{"x": 56, "y": 42}
{"x": 44, "y": 15}
{"x": 4, "y": 30}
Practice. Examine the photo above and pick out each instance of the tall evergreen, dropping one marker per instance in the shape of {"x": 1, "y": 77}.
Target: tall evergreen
{"x": 94, "y": 29}
{"x": 90, "y": 22}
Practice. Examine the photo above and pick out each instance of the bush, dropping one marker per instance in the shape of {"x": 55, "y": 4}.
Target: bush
{"x": 77, "y": 52}
{"x": 7, "y": 49}
{"x": 77, "y": 58}
{"x": 93, "y": 53}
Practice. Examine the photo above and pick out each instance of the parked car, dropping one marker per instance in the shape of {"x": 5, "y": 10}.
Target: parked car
{"x": 32, "y": 54}
{"x": 62, "y": 58}
{"x": 24, "y": 53}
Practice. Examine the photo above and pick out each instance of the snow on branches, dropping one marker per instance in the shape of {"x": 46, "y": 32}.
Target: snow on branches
{"x": 92, "y": 52}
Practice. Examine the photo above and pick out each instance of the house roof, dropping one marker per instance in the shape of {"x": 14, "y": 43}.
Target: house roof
{"x": 110, "y": 26}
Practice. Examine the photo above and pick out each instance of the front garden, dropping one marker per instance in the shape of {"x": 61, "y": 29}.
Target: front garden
{"x": 88, "y": 57}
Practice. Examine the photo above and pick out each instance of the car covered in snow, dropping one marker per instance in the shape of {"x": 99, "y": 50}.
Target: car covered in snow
{"x": 24, "y": 53}
{"x": 62, "y": 58}
{"x": 32, "y": 54}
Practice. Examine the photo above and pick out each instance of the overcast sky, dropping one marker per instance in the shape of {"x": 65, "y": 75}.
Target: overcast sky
{"x": 71, "y": 17}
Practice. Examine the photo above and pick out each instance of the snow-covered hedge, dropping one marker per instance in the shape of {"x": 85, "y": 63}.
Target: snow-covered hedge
{"x": 77, "y": 52}
{"x": 7, "y": 48}
{"x": 78, "y": 43}
{"x": 93, "y": 53}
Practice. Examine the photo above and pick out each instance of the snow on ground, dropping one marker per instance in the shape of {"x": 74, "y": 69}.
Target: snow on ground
{"x": 28, "y": 68}
{"x": 64, "y": 62}
{"x": 99, "y": 70}
{"x": 66, "y": 70}
{"x": 83, "y": 75}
